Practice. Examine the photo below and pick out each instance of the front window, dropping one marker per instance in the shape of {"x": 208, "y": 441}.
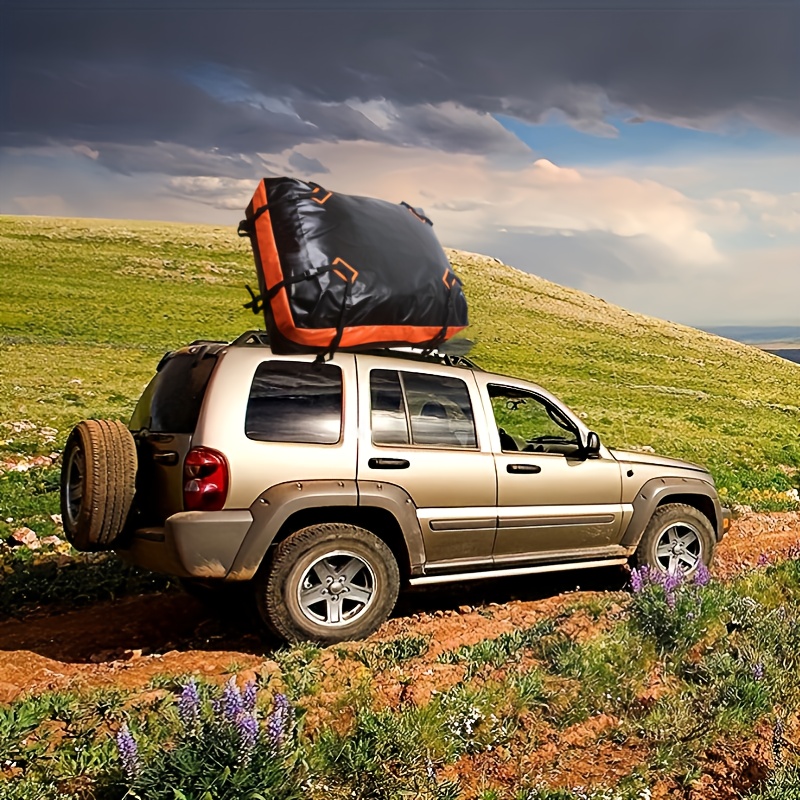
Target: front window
{"x": 529, "y": 423}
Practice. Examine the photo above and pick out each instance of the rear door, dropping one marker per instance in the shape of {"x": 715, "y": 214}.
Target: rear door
{"x": 423, "y": 430}
{"x": 163, "y": 424}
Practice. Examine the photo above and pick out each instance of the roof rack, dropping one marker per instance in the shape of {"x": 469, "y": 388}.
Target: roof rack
{"x": 261, "y": 338}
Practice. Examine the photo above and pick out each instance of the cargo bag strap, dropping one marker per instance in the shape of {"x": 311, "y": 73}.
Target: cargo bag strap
{"x": 258, "y": 301}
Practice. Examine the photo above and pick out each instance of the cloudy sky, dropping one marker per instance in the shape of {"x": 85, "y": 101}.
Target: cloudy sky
{"x": 644, "y": 151}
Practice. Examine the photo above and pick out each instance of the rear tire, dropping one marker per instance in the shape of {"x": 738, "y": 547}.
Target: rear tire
{"x": 98, "y": 480}
{"x": 328, "y": 583}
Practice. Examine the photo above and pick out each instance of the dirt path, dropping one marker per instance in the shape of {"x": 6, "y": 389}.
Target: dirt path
{"x": 129, "y": 641}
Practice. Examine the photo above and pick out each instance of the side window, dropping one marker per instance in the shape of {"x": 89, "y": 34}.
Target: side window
{"x": 389, "y": 418}
{"x": 294, "y": 401}
{"x": 423, "y": 410}
{"x": 531, "y": 424}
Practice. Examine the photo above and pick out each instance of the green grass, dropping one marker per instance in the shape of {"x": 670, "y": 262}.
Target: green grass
{"x": 89, "y": 306}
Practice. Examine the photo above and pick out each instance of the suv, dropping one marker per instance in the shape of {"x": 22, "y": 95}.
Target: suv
{"x": 328, "y": 485}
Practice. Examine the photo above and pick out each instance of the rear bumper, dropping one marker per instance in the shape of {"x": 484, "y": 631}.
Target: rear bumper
{"x": 192, "y": 544}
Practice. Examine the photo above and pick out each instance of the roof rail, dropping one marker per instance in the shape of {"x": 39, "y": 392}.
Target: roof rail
{"x": 250, "y": 338}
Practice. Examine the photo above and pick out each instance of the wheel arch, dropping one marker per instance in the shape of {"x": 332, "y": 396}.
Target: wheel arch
{"x": 383, "y": 509}
{"x": 658, "y": 492}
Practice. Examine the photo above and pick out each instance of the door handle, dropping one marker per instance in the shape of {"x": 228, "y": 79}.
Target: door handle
{"x": 530, "y": 469}
{"x": 388, "y": 463}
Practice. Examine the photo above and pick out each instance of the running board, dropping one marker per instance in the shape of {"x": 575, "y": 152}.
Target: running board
{"x": 427, "y": 580}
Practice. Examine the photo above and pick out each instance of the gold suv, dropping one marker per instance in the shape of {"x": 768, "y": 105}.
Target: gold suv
{"x": 328, "y": 485}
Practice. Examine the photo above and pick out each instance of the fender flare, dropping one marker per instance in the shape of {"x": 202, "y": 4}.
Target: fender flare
{"x": 653, "y": 494}
{"x": 273, "y": 507}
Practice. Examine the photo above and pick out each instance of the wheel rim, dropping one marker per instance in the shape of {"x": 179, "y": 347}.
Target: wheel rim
{"x": 679, "y": 548}
{"x": 336, "y": 589}
{"x": 76, "y": 475}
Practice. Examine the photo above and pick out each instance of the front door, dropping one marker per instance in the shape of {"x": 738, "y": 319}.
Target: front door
{"x": 552, "y": 501}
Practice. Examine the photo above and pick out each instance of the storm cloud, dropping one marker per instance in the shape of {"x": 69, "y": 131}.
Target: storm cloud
{"x": 245, "y": 81}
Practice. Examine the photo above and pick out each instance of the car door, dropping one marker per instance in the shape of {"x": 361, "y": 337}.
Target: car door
{"x": 419, "y": 430}
{"x": 553, "y": 502}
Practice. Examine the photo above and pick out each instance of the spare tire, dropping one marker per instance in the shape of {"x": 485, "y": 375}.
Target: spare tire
{"x": 98, "y": 480}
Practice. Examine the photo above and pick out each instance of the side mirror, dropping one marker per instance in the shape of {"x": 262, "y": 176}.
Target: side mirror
{"x": 592, "y": 448}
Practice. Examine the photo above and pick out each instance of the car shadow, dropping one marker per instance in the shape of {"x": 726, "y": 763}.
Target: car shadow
{"x": 110, "y": 631}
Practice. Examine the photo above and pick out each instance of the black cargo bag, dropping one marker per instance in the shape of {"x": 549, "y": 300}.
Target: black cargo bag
{"x": 343, "y": 272}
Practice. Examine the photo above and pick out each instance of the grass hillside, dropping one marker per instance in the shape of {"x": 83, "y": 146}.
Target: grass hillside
{"x": 88, "y": 307}
{"x": 681, "y": 689}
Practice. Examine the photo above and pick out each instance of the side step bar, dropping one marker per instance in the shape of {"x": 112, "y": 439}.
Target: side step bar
{"x": 427, "y": 580}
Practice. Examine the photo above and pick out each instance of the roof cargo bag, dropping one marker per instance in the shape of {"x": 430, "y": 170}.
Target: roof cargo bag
{"x": 343, "y": 272}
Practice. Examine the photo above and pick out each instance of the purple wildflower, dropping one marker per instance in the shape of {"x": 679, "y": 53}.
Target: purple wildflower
{"x": 128, "y": 752}
{"x": 247, "y": 728}
{"x": 637, "y": 580}
{"x": 232, "y": 700}
{"x": 189, "y": 705}
{"x": 701, "y": 575}
{"x": 672, "y": 581}
{"x": 758, "y": 671}
{"x": 279, "y": 720}
{"x": 763, "y": 560}
{"x": 249, "y": 695}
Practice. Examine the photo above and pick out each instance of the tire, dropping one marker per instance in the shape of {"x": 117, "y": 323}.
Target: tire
{"x": 98, "y": 479}
{"x": 357, "y": 563}
{"x": 677, "y": 536}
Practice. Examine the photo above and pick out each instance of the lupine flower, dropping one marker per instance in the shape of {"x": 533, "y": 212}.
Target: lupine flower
{"x": 758, "y": 671}
{"x": 279, "y": 719}
{"x": 128, "y": 752}
{"x": 247, "y": 728}
{"x": 249, "y": 695}
{"x": 189, "y": 705}
{"x": 701, "y": 576}
{"x": 763, "y": 560}
{"x": 638, "y": 579}
{"x": 232, "y": 700}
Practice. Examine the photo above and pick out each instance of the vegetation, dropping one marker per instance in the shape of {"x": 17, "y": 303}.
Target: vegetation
{"x": 319, "y": 725}
{"x": 670, "y": 676}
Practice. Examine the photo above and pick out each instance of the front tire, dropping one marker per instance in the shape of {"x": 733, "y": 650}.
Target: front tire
{"x": 678, "y": 538}
{"x": 328, "y": 583}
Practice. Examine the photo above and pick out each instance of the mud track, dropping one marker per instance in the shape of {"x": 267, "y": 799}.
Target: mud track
{"x": 128, "y": 641}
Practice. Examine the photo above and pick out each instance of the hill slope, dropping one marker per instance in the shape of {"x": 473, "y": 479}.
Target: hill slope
{"x": 88, "y": 307}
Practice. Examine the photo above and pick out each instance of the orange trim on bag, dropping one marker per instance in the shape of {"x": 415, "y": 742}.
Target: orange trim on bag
{"x": 317, "y": 200}
{"x": 341, "y": 261}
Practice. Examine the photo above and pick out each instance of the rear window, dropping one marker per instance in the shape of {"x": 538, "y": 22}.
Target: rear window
{"x": 292, "y": 401}
{"x": 171, "y": 402}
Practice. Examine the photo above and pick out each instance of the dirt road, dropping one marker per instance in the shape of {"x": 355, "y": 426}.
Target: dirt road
{"x": 128, "y": 641}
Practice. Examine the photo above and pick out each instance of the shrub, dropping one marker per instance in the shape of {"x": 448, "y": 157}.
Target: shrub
{"x": 221, "y": 749}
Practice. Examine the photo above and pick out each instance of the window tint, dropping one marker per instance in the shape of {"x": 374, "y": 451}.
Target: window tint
{"x": 529, "y": 423}
{"x": 171, "y": 402}
{"x": 389, "y": 419}
{"x": 295, "y": 402}
{"x": 437, "y": 409}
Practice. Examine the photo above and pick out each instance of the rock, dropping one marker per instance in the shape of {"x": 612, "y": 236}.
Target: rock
{"x": 9, "y": 692}
{"x": 53, "y": 540}
{"x": 56, "y": 518}
{"x": 24, "y": 537}
{"x": 464, "y": 609}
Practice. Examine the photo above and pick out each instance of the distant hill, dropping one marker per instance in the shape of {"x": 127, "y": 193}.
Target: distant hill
{"x": 754, "y": 334}
{"x": 88, "y": 307}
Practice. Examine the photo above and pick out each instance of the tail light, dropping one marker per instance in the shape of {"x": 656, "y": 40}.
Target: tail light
{"x": 205, "y": 480}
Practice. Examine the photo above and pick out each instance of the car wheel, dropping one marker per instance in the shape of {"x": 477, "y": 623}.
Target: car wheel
{"x": 328, "y": 583}
{"x": 98, "y": 479}
{"x": 678, "y": 538}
